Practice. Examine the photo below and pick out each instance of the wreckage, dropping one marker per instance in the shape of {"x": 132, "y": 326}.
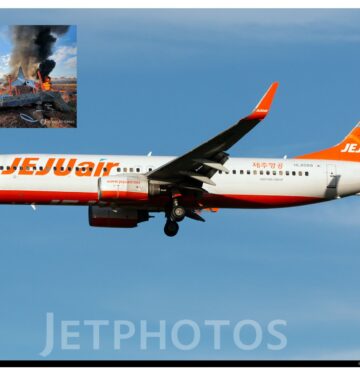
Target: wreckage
{"x": 22, "y": 81}
{"x": 38, "y": 98}
{"x": 23, "y": 92}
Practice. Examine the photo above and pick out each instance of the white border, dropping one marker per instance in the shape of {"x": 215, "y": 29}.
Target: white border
{"x": 179, "y": 371}
{"x": 181, "y": 4}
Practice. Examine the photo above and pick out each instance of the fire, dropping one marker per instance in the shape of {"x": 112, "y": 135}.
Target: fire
{"x": 46, "y": 85}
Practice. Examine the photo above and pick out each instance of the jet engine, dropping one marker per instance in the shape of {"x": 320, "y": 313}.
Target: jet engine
{"x": 116, "y": 218}
{"x": 126, "y": 186}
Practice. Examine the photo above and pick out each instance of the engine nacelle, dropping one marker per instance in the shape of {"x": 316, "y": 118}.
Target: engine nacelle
{"x": 116, "y": 218}
{"x": 127, "y": 187}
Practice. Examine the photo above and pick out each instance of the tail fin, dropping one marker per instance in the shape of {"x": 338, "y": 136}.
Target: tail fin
{"x": 347, "y": 150}
{"x": 21, "y": 73}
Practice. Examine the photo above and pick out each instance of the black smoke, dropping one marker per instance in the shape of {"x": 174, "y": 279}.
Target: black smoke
{"x": 33, "y": 45}
{"x": 46, "y": 67}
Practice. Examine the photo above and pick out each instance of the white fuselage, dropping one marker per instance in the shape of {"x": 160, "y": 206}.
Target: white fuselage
{"x": 251, "y": 182}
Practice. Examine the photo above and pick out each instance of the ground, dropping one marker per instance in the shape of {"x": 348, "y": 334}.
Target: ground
{"x": 29, "y": 117}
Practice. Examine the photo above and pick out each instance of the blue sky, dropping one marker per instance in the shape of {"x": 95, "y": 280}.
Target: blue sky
{"x": 64, "y": 52}
{"x": 164, "y": 81}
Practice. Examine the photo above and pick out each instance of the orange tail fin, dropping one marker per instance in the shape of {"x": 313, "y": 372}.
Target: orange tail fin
{"x": 346, "y": 150}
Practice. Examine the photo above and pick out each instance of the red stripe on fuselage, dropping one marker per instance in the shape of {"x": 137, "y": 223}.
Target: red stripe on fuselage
{"x": 45, "y": 197}
{"x": 256, "y": 201}
{"x": 208, "y": 200}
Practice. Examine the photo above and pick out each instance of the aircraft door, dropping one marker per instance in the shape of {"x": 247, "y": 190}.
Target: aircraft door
{"x": 332, "y": 177}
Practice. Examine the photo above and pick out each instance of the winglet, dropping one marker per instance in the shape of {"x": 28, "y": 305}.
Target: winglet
{"x": 263, "y": 107}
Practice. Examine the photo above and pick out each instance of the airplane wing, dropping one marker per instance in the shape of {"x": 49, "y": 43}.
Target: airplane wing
{"x": 17, "y": 82}
{"x": 197, "y": 166}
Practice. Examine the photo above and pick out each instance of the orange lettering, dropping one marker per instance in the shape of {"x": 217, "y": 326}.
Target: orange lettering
{"x": 86, "y": 165}
{"x": 66, "y": 170}
{"x": 47, "y": 168}
{"x": 13, "y": 167}
{"x": 99, "y": 169}
{"x": 28, "y": 166}
{"x": 109, "y": 166}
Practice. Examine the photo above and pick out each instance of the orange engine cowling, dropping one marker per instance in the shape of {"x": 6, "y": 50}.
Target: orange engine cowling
{"x": 116, "y": 218}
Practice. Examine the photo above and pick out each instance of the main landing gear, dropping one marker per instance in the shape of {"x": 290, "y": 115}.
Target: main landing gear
{"x": 175, "y": 215}
{"x": 171, "y": 228}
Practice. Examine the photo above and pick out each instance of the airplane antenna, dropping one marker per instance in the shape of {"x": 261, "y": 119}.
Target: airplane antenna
{"x": 150, "y": 153}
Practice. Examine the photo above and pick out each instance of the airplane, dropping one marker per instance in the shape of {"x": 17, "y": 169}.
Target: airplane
{"x": 22, "y": 81}
{"x": 122, "y": 191}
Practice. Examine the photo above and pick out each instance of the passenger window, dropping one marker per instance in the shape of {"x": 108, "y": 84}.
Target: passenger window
{"x": 293, "y": 173}
{"x": 247, "y": 172}
{"x": 1, "y": 167}
{"x": 150, "y": 169}
{"x": 83, "y": 169}
{"x": 274, "y": 173}
{"x": 7, "y": 168}
{"x": 287, "y": 173}
{"x": 234, "y": 171}
{"x": 69, "y": 169}
{"x": 267, "y": 172}
{"x": 118, "y": 169}
{"x": 14, "y": 167}
{"x": 105, "y": 169}
{"x": 62, "y": 168}
{"x": 280, "y": 173}
{"x": 131, "y": 169}
{"x": 41, "y": 168}
{"x": 241, "y": 171}
{"x": 220, "y": 172}
{"x": 300, "y": 173}
{"x": 77, "y": 169}
{"x": 21, "y": 168}
{"x": 261, "y": 172}
{"x": 306, "y": 173}
{"x": 125, "y": 169}
{"x": 255, "y": 171}
{"x": 138, "y": 170}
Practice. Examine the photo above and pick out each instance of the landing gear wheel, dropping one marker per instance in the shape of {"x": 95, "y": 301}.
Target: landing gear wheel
{"x": 171, "y": 228}
{"x": 177, "y": 213}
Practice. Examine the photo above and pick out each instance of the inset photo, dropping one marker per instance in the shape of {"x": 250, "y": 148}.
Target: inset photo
{"x": 38, "y": 76}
